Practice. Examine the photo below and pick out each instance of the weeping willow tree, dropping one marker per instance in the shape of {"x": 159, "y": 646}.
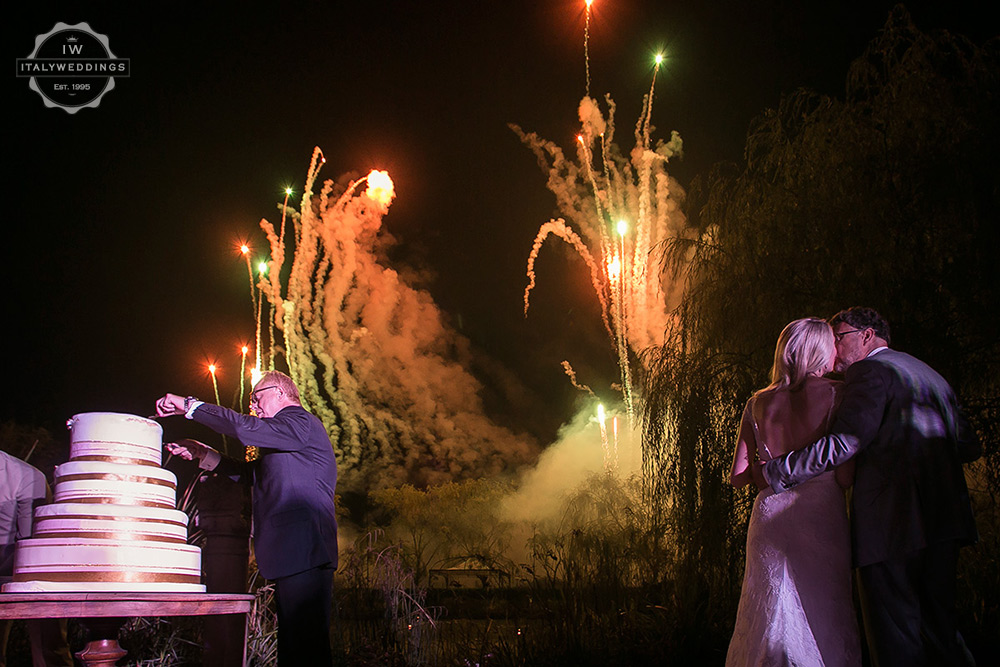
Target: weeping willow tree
{"x": 887, "y": 198}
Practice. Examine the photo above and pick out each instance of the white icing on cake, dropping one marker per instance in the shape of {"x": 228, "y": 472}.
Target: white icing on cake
{"x": 115, "y": 483}
{"x": 115, "y": 437}
{"x": 110, "y": 521}
{"x": 113, "y": 526}
{"x": 94, "y": 564}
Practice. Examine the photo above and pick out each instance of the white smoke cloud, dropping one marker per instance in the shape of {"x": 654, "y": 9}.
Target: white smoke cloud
{"x": 565, "y": 465}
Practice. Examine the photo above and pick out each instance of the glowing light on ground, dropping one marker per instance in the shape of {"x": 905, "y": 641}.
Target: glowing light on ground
{"x": 614, "y": 423}
{"x": 610, "y": 458}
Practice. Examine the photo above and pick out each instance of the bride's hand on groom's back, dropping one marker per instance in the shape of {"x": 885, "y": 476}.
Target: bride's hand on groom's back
{"x": 757, "y": 471}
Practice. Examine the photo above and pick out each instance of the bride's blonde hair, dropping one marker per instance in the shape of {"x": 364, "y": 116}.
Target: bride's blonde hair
{"x": 803, "y": 348}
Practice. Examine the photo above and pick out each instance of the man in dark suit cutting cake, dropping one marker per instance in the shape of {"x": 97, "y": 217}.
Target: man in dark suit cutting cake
{"x": 294, "y": 520}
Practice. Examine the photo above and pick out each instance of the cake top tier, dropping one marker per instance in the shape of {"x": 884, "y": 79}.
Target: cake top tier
{"x": 115, "y": 437}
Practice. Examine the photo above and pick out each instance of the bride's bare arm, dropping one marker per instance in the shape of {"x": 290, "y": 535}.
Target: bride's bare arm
{"x": 746, "y": 447}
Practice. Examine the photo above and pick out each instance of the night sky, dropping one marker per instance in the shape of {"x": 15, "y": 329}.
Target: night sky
{"x": 122, "y": 268}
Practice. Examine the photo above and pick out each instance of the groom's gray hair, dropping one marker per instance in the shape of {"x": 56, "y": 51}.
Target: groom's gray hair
{"x": 285, "y": 383}
{"x": 860, "y": 317}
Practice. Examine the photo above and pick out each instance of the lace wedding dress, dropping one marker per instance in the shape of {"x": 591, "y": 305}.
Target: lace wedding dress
{"x": 796, "y": 606}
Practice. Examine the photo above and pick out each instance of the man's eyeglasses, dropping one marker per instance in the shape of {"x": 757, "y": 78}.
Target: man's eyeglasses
{"x": 840, "y": 336}
{"x": 255, "y": 392}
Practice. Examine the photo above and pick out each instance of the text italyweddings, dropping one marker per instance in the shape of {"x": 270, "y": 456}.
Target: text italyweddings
{"x": 75, "y": 66}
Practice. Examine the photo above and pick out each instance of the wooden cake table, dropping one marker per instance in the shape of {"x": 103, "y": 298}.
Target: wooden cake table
{"x": 104, "y": 614}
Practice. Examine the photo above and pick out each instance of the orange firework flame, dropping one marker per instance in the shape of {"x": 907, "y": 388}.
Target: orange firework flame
{"x": 380, "y": 187}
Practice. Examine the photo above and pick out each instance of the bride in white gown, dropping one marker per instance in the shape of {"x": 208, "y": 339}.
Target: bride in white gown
{"x": 796, "y": 606}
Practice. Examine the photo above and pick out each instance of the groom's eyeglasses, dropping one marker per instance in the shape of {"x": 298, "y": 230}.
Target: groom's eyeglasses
{"x": 840, "y": 336}
{"x": 255, "y": 394}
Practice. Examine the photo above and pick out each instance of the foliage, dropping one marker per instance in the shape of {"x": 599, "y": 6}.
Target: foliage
{"x": 33, "y": 444}
{"x": 693, "y": 403}
{"x": 599, "y": 587}
{"x": 262, "y": 623}
{"x": 890, "y": 199}
{"x": 609, "y": 586}
{"x": 155, "y": 642}
{"x": 391, "y": 620}
{"x": 449, "y": 522}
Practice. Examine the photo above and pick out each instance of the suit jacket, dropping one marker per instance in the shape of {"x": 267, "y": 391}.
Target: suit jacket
{"x": 22, "y": 488}
{"x": 901, "y": 421}
{"x": 293, "y": 484}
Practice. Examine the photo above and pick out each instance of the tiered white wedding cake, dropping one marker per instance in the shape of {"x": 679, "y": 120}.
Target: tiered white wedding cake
{"x": 113, "y": 525}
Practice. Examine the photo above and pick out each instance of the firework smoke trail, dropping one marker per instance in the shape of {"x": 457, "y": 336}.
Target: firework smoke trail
{"x": 633, "y": 189}
{"x": 614, "y": 423}
{"x": 372, "y": 356}
{"x": 601, "y": 420}
{"x": 559, "y": 228}
{"x": 215, "y": 384}
{"x": 218, "y": 401}
{"x": 255, "y": 304}
{"x": 568, "y": 369}
{"x": 243, "y": 374}
{"x": 259, "y": 347}
{"x": 245, "y": 251}
{"x": 586, "y": 46}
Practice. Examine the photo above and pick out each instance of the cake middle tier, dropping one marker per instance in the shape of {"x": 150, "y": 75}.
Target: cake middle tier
{"x": 115, "y": 483}
{"x": 103, "y": 521}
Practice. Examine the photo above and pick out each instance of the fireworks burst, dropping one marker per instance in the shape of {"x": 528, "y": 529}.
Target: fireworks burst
{"x": 586, "y": 46}
{"x": 624, "y": 207}
{"x": 372, "y": 356}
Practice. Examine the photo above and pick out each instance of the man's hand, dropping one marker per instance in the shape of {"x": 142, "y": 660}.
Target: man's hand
{"x": 188, "y": 449}
{"x": 757, "y": 471}
{"x": 169, "y": 405}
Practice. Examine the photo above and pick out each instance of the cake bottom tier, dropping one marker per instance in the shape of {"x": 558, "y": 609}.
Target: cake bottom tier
{"x": 98, "y": 587}
{"x": 49, "y": 564}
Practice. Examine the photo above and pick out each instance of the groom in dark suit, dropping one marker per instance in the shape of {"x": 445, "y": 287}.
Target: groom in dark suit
{"x": 910, "y": 509}
{"x": 294, "y": 518}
